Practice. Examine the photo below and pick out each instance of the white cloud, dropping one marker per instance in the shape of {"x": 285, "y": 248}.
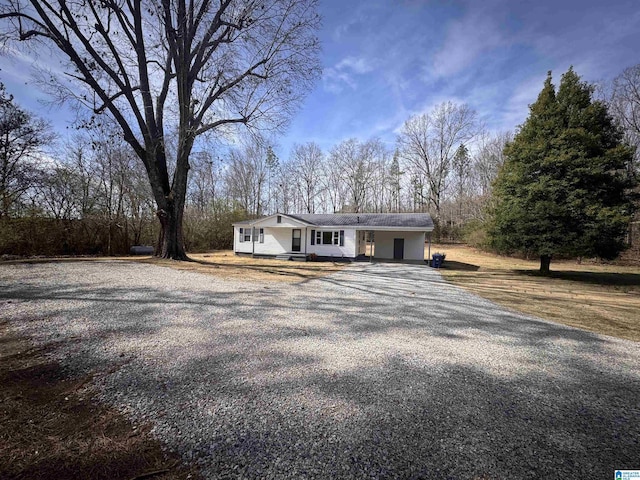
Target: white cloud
{"x": 466, "y": 39}
{"x": 343, "y": 74}
{"x": 358, "y": 65}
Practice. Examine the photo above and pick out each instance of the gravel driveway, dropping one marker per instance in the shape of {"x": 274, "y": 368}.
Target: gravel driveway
{"x": 379, "y": 371}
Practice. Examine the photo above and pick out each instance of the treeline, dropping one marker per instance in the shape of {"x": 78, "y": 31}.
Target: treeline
{"x": 91, "y": 194}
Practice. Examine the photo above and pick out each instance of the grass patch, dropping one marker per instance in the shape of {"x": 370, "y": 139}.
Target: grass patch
{"x": 601, "y": 298}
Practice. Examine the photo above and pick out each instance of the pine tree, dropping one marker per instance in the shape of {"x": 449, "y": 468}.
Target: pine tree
{"x": 562, "y": 188}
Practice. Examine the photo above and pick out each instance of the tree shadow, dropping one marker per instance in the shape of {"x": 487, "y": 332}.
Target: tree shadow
{"x": 594, "y": 278}
{"x": 459, "y": 266}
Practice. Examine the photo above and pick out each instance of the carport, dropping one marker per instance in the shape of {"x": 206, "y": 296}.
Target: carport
{"x": 386, "y": 244}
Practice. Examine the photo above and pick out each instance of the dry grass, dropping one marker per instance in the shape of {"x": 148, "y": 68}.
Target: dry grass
{"x": 596, "y": 297}
{"x": 50, "y": 429}
{"x": 225, "y": 264}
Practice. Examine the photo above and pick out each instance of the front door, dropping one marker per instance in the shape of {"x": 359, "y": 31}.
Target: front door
{"x": 295, "y": 241}
{"x": 398, "y": 248}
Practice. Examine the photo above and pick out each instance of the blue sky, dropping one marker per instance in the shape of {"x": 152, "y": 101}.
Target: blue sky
{"x": 385, "y": 60}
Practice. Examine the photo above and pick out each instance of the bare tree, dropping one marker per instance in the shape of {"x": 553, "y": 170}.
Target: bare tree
{"x": 246, "y": 176}
{"x": 21, "y": 138}
{"x": 355, "y": 165}
{"x": 307, "y": 160}
{"x": 428, "y": 143}
{"x": 190, "y": 67}
{"x": 624, "y": 104}
{"x": 488, "y": 159}
{"x": 333, "y": 185}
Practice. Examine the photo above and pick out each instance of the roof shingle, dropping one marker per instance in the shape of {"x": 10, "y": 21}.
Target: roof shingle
{"x": 415, "y": 220}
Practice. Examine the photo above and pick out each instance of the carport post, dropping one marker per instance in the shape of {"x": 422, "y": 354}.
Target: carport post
{"x": 370, "y": 246}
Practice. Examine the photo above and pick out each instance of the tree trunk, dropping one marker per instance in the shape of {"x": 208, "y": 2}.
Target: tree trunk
{"x": 545, "y": 262}
{"x": 170, "y": 239}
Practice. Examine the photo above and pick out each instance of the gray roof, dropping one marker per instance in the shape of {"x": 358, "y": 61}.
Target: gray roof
{"x": 414, "y": 220}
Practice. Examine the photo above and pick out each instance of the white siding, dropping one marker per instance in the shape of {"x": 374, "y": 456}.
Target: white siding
{"x": 272, "y": 221}
{"x": 361, "y": 237}
{"x": 238, "y": 246}
{"x": 276, "y": 241}
{"x": 348, "y": 250}
{"x": 413, "y": 244}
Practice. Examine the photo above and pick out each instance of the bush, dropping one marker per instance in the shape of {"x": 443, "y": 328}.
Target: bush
{"x": 474, "y": 234}
{"x": 30, "y": 236}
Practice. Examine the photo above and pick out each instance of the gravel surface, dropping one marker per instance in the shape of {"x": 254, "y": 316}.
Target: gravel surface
{"x": 379, "y": 371}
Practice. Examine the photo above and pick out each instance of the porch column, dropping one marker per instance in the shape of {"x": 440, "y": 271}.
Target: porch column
{"x": 429, "y": 254}
{"x": 253, "y": 241}
{"x": 370, "y": 246}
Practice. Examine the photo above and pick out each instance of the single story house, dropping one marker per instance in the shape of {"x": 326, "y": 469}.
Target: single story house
{"x": 398, "y": 236}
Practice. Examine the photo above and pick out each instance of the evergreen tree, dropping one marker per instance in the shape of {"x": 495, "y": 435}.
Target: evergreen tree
{"x": 562, "y": 189}
{"x": 394, "y": 177}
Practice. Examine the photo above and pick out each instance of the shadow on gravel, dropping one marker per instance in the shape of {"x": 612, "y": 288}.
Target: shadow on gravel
{"x": 375, "y": 372}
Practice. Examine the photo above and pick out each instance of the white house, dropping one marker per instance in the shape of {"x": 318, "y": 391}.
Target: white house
{"x": 337, "y": 236}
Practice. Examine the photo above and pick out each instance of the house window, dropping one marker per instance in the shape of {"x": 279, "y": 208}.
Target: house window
{"x": 247, "y": 234}
{"x": 331, "y": 237}
{"x": 241, "y": 236}
{"x": 313, "y": 237}
{"x": 261, "y": 237}
{"x": 279, "y": 219}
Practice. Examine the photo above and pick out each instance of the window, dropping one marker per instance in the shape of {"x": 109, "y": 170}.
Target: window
{"x": 279, "y": 219}
{"x": 331, "y": 237}
{"x": 241, "y": 236}
{"x": 261, "y": 235}
{"x": 247, "y": 235}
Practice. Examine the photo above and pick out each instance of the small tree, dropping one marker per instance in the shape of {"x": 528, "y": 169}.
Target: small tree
{"x": 562, "y": 189}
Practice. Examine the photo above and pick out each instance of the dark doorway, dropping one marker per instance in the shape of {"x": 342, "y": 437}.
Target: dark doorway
{"x": 398, "y": 248}
{"x": 295, "y": 241}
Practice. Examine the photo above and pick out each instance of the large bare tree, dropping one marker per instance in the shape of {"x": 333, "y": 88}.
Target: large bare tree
{"x": 428, "y": 143}
{"x": 175, "y": 67}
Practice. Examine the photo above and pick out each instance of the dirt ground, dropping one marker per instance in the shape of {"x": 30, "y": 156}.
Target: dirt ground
{"x": 51, "y": 430}
{"x": 602, "y": 298}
